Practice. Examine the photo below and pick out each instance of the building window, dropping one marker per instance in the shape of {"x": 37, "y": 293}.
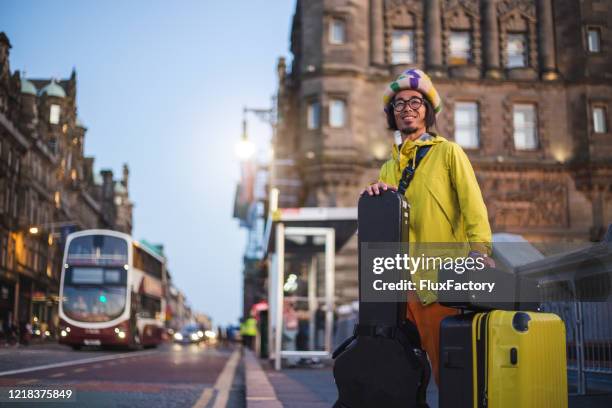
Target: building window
{"x": 54, "y": 114}
{"x": 467, "y": 133}
{"x": 516, "y": 50}
{"x": 525, "y": 126}
{"x": 313, "y": 115}
{"x": 599, "y": 120}
{"x": 337, "y": 113}
{"x": 337, "y": 32}
{"x": 594, "y": 40}
{"x": 460, "y": 45}
{"x": 402, "y": 47}
{"x": 53, "y": 145}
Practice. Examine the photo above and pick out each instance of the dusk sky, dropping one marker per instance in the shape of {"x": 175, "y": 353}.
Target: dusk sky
{"x": 161, "y": 86}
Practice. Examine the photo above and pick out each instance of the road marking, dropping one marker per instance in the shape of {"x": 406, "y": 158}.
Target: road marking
{"x": 57, "y": 375}
{"x": 75, "y": 362}
{"x": 32, "y": 381}
{"x": 204, "y": 399}
{"x": 225, "y": 380}
{"x": 223, "y": 384}
{"x": 78, "y": 370}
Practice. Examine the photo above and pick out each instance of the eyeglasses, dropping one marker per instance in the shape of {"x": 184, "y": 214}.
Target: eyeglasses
{"x": 413, "y": 103}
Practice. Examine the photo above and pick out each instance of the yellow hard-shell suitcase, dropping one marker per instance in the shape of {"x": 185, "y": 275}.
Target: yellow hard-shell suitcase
{"x": 508, "y": 359}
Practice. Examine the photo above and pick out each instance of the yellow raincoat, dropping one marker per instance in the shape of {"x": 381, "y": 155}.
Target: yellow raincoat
{"x": 446, "y": 204}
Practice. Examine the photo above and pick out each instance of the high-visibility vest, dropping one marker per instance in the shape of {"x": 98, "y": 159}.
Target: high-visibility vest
{"x": 250, "y": 327}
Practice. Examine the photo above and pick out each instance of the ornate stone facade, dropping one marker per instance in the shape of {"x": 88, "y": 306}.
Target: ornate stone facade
{"x": 560, "y": 189}
{"x": 46, "y": 182}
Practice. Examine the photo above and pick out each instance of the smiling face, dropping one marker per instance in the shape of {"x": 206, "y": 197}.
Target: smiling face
{"x": 409, "y": 120}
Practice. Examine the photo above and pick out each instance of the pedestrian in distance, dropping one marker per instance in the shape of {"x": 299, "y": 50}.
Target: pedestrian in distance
{"x": 446, "y": 204}
{"x": 248, "y": 332}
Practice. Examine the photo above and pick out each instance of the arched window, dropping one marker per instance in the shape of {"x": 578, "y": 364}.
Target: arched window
{"x": 404, "y": 32}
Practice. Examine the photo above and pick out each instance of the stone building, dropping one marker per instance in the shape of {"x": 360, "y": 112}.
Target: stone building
{"x": 47, "y": 189}
{"x": 526, "y": 88}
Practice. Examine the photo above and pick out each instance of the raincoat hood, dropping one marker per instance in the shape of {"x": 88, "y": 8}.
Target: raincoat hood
{"x": 407, "y": 151}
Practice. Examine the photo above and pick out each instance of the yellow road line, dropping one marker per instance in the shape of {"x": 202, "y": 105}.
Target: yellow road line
{"x": 223, "y": 384}
{"x": 205, "y": 398}
{"x": 57, "y": 375}
{"x": 225, "y": 380}
{"x": 78, "y": 370}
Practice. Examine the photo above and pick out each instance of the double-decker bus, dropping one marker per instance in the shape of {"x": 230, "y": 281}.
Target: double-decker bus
{"x": 111, "y": 291}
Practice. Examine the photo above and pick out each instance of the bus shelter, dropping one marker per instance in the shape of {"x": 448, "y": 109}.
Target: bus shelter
{"x": 301, "y": 249}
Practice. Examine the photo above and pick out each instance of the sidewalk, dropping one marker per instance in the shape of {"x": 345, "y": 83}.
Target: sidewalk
{"x": 315, "y": 388}
{"x": 296, "y": 387}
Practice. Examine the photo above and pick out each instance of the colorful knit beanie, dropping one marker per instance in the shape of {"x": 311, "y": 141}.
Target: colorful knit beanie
{"x": 417, "y": 80}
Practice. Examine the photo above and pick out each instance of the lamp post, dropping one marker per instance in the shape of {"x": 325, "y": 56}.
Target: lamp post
{"x": 245, "y": 150}
{"x": 267, "y": 116}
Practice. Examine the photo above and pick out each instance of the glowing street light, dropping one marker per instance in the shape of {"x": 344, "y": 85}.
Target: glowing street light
{"x": 34, "y": 230}
{"x": 245, "y": 149}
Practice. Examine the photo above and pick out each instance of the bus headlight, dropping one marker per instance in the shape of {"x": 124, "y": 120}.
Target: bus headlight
{"x": 210, "y": 334}
{"x": 200, "y": 333}
{"x": 194, "y": 336}
{"x": 68, "y": 329}
{"x": 47, "y": 333}
{"x": 121, "y": 334}
{"x": 63, "y": 333}
{"x": 178, "y": 336}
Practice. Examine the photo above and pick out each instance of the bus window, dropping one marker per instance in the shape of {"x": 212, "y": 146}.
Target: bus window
{"x": 150, "y": 307}
{"x": 147, "y": 263}
{"x": 90, "y": 247}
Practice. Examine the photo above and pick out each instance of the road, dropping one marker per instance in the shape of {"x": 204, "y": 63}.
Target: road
{"x": 171, "y": 376}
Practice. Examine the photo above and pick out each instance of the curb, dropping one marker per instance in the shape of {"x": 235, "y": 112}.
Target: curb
{"x": 259, "y": 391}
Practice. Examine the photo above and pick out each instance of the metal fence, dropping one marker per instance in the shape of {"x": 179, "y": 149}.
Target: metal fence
{"x": 589, "y": 343}
{"x": 582, "y": 297}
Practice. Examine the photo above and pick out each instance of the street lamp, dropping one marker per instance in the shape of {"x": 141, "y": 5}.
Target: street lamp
{"x": 245, "y": 148}
{"x": 51, "y": 227}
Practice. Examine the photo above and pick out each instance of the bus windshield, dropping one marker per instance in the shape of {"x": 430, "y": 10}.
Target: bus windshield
{"x": 93, "y": 294}
{"x": 98, "y": 250}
